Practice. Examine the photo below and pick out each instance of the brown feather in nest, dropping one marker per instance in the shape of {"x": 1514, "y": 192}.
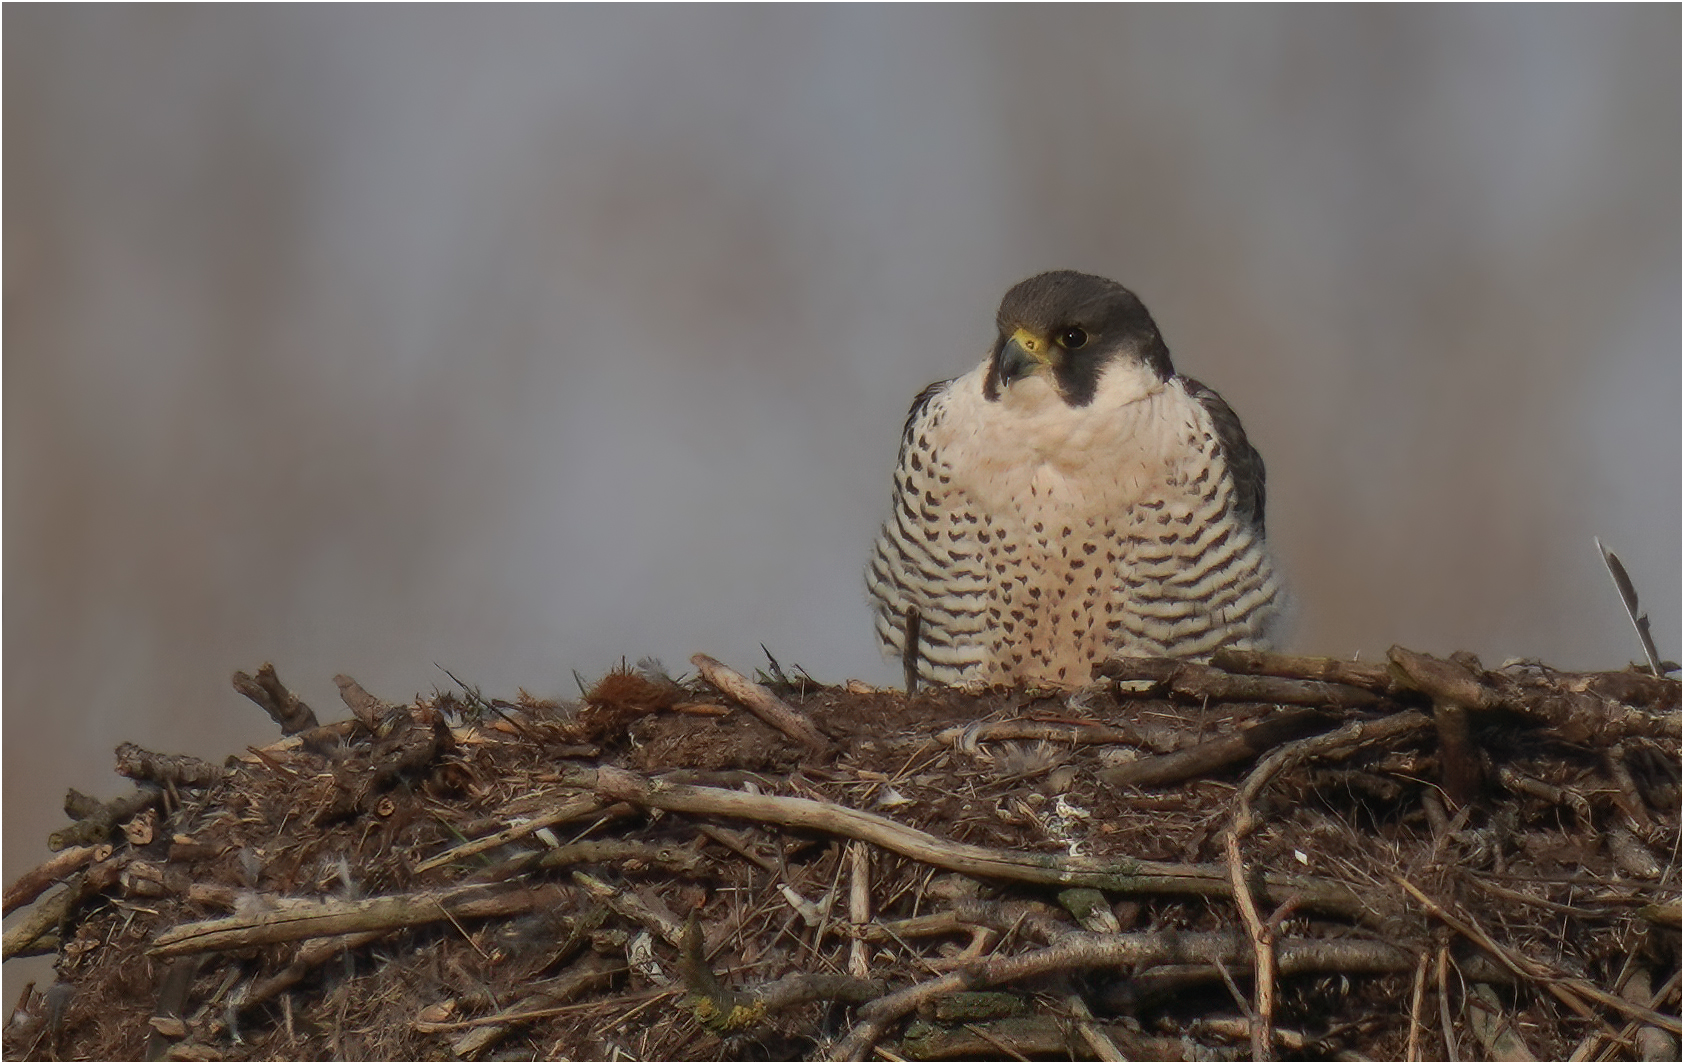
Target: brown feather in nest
{"x": 621, "y": 697}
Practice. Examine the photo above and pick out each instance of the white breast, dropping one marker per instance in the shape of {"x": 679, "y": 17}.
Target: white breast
{"x": 1030, "y": 450}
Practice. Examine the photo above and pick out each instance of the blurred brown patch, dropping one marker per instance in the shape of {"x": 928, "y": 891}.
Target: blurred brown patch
{"x": 622, "y": 697}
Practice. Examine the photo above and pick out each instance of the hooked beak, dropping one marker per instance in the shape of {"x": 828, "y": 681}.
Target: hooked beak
{"x": 1023, "y": 353}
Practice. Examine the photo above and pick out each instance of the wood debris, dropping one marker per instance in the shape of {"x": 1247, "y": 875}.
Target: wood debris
{"x": 1260, "y": 857}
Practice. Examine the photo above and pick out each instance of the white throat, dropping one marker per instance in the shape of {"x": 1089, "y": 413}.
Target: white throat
{"x": 1031, "y": 444}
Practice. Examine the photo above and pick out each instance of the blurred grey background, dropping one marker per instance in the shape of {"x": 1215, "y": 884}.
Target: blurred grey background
{"x": 521, "y": 340}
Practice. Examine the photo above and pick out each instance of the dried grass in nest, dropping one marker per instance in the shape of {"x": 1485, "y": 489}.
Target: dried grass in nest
{"x": 1261, "y": 857}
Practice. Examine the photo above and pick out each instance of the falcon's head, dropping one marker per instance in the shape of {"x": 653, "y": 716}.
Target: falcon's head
{"x": 1071, "y": 328}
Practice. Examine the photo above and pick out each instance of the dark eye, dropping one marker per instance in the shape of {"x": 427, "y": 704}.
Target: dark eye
{"x": 1070, "y": 339}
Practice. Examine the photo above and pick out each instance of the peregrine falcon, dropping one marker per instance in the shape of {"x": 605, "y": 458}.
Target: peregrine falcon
{"x": 1070, "y": 500}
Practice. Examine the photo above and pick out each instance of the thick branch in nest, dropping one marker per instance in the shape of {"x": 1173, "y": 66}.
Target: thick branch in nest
{"x": 966, "y": 736}
{"x": 761, "y": 702}
{"x": 1123, "y": 875}
{"x": 1139, "y": 670}
{"x": 176, "y": 770}
{"x": 272, "y": 696}
{"x": 1372, "y": 676}
{"x": 727, "y": 1011}
{"x": 1339, "y": 743}
{"x": 1269, "y": 678}
{"x": 887, "y": 909}
{"x": 1081, "y": 951}
{"x": 1576, "y": 715}
{"x": 646, "y": 910}
{"x": 317, "y": 919}
{"x": 1216, "y": 754}
{"x": 29, "y": 886}
{"x": 96, "y": 825}
{"x": 51, "y": 914}
{"x": 364, "y": 706}
{"x": 1197, "y": 683}
{"x": 21, "y": 936}
{"x": 407, "y": 748}
{"x": 677, "y": 860}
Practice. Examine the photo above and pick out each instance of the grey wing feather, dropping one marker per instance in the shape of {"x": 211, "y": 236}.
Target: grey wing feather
{"x": 1244, "y": 463}
{"x": 918, "y": 406}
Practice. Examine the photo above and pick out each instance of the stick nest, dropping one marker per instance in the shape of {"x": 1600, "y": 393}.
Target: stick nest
{"x": 1258, "y": 857}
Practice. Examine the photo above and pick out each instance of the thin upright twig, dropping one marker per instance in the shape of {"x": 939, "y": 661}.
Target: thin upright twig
{"x": 1444, "y": 1005}
{"x": 1416, "y": 1024}
{"x": 1263, "y": 953}
{"x": 859, "y": 908}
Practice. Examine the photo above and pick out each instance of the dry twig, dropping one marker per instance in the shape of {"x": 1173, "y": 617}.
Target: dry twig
{"x": 1339, "y": 743}
{"x": 1199, "y": 683}
{"x": 272, "y": 696}
{"x": 1567, "y": 989}
{"x": 1263, "y": 953}
{"x": 793, "y": 911}
{"x": 96, "y": 825}
{"x": 574, "y": 808}
{"x": 302, "y": 919}
{"x": 1213, "y": 755}
{"x": 1373, "y": 677}
{"x": 29, "y": 886}
{"x": 1126, "y": 876}
{"x": 1416, "y": 999}
{"x": 1079, "y": 951}
{"x": 763, "y": 703}
{"x": 176, "y": 770}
